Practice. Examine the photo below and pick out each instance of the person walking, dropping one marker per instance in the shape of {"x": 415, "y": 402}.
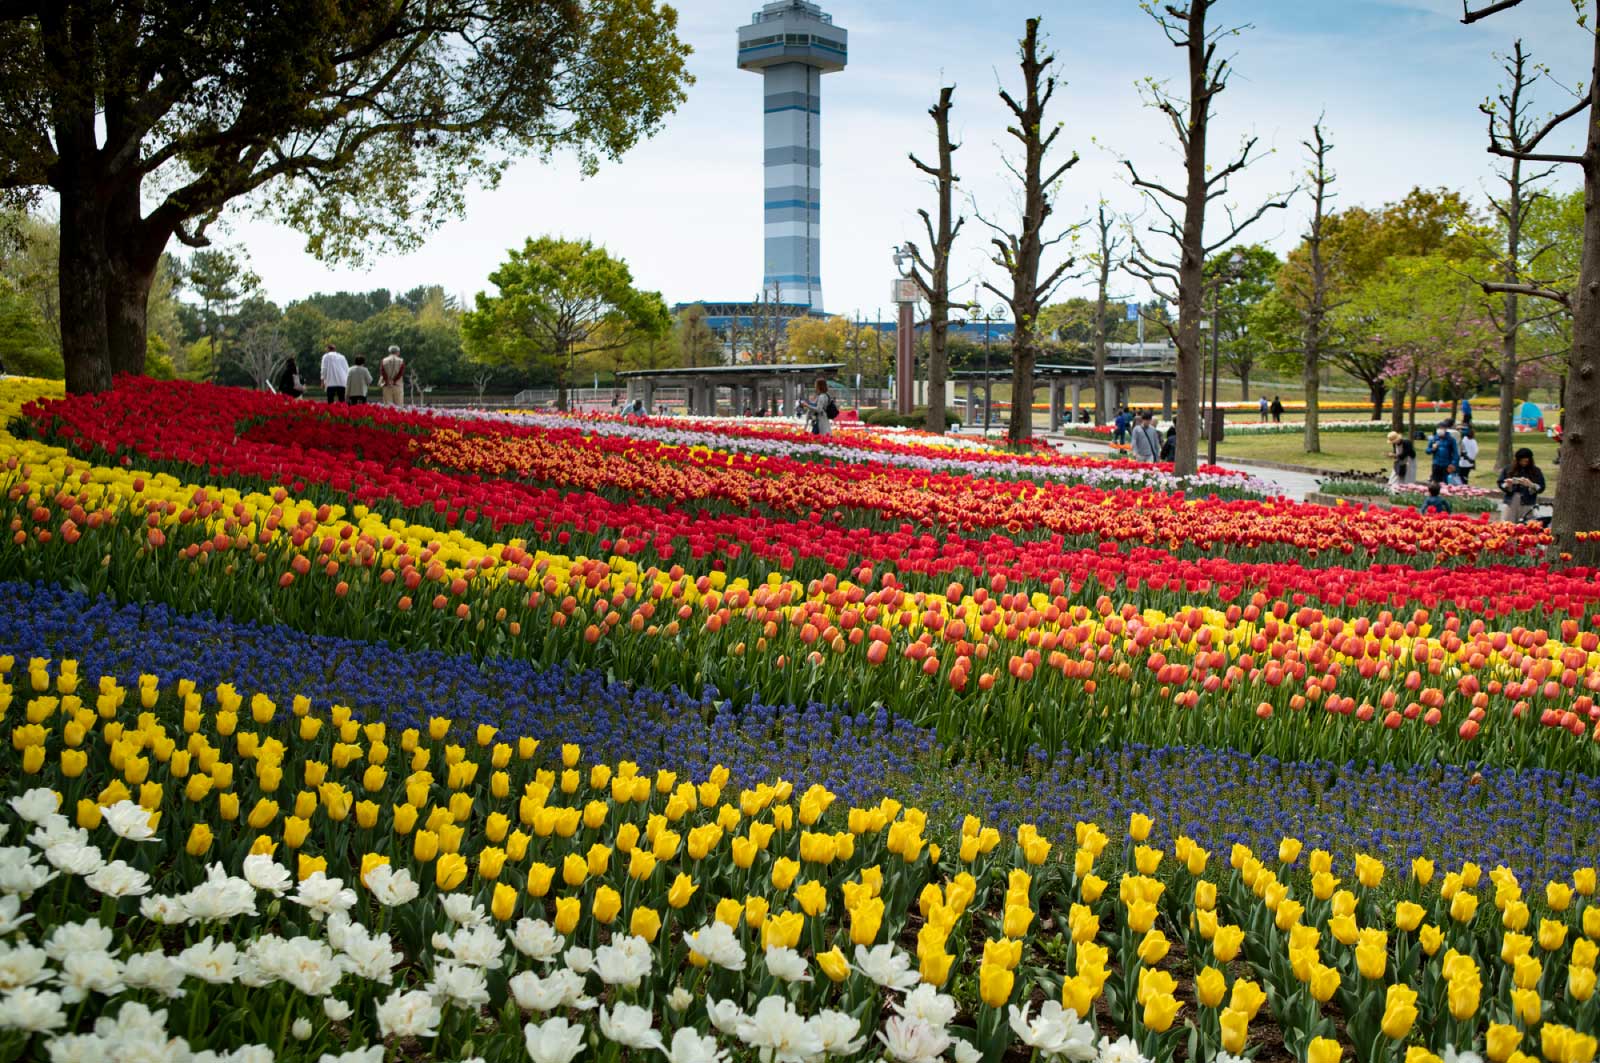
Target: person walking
{"x": 289, "y": 379}
{"x": 821, "y": 410}
{"x": 1119, "y": 433}
{"x": 1521, "y": 483}
{"x": 392, "y": 378}
{"x": 1277, "y": 409}
{"x": 1469, "y": 453}
{"x": 1265, "y": 408}
{"x": 357, "y": 381}
{"x": 1442, "y": 447}
{"x": 1169, "y": 446}
{"x": 1146, "y": 440}
{"x": 1403, "y": 454}
{"x": 1466, "y": 412}
{"x": 335, "y": 372}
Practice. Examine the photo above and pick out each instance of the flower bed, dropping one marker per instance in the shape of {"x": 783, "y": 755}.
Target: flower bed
{"x": 209, "y": 869}
{"x": 991, "y": 669}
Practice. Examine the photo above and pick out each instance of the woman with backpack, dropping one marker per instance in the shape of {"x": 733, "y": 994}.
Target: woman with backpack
{"x": 821, "y": 409}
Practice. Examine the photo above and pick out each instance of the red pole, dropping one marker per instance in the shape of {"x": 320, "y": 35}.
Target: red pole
{"x": 905, "y": 359}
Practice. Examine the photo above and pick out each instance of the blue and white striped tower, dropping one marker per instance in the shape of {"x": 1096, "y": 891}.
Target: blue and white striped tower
{"x": 792, "y": 43}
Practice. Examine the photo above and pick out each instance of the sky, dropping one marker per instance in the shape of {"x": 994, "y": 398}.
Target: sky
{"x": 1397, "y": 82}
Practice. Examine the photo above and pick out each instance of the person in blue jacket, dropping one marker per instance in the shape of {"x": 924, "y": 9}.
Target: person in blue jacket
{"x": 1445, "y": 452}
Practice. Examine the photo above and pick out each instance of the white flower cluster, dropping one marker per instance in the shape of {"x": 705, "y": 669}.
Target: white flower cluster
{"x": 1111, "y": 474}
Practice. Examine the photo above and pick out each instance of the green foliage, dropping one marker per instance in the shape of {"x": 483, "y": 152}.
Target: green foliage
{"x": 25, "y": 349}
{"x": 560, "y": 302}
{"x": 917, "y": 418}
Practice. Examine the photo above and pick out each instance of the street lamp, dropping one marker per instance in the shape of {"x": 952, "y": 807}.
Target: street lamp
{"x": 906, "y": 293}
{"x": 1231, "y": 272}
{"x": 988, "y": 317}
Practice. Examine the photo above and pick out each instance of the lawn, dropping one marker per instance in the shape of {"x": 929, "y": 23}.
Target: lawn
{"x": 1368, "y": 451}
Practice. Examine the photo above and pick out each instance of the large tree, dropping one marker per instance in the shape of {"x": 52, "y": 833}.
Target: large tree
{"x": 696, "y": 342}
{"x": 1106, "y": 260}
{"x": 1239, "y": 284}
{"x": 1182, "y": 213}
{"x": 932, "y": 272}
{"x": 1310, "y": 292}
{"x": 356, "y": 122}
{"x": 1020, "y": 252}
{"x": 559, "y": 302}
{"x": 1511, "y": 120}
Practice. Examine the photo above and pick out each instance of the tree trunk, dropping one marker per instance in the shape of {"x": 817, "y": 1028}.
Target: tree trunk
{"x": 1577, "y": 500}
{"x": 134, "y": 254}
{"x": 1397, "y": 411}
{"x": 1311, "y": 380}
{"x": 85, "y": 347}
{"x": 1244, "y": 384}
{"x": 1100, "y": 411}
{"x": 1191, "y": 262}
{"x": 938, "y": 292}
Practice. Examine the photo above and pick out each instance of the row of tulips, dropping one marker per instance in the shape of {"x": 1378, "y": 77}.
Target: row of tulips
{"x": 991, "y": 669}
{"x": 191, "y": 870}
{"x": 749, "y": 545}
{"x": 1541, "y": 823}
{"x": 371, "y": 456}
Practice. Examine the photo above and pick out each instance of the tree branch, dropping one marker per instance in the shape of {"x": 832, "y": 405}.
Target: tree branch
{"x": 1469, "y": 16}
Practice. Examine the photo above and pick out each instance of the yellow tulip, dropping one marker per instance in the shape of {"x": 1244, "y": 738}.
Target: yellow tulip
{"x": 1418, "y": 1054}
{"x": 645, "y": 923}
{"x": 1141, "y": 916}
{"x": 1015, "y": 920}
{"x": 607, "y": 903}
{"x": 995, "y": 985}
{"x": 1552, "y": 934}
{"x": 1399, "y": 1011}
{"x": 1091, "y": 886}
{"x": 1235, "y": 1029}
{"x": 295, "y": 830}
{"x": 1408, "y": 915}
{"x": 865, "y": 920}
{"x": 199, "y": 842}
{"x": 1558, "y": 895}
{"x": 1371, "y": 960}
{"x": 1500, "y": 1040}
{"x": 1153, "y": 947}
{"x": 450, "y": 871}
{"x": 1077, "y": 995}
{"x": 306, "y": 866}
{"x": 1160, "y": 1011}
{"x": 1289, "y": 850}
{"x": 1225, "y": 946}
{"x": 89, "y": 814}
{"x": 755, "y": 911}
{"x": 1431, "y": 938}
{"x": 1247, "y": 998}
{"x": 1422, "y": 870}
{"x": 812, "y": 896}
{"x": 1583, "y": 880}
{"x": 568, "y": 909}
{"x": 1464, "y": 907}
{"x": 782, "y": 930}
{"x": 1462, "y": 995}
{"x": 540, "y": 877}
{"x": 683, "y": 887}
{"x": 1139, "y": 826}
{"x": 1323, "y": 1050}
{"x": 504, "y": 903}
{"x": 1324, "y": 983}
{"x": 1209, "y": 987}
{"x": 833, "y": 964}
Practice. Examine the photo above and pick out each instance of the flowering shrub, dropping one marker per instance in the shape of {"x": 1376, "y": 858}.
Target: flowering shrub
{"x": 202, "y": 870}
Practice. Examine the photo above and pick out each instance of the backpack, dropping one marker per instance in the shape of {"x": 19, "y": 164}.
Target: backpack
{"x": 833, "y": 409}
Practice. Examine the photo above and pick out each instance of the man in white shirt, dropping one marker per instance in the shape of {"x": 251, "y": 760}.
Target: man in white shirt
{"x": 1146, "y": 440}
{"x": 335, "y": 372}
{"x": 392, "y": 378}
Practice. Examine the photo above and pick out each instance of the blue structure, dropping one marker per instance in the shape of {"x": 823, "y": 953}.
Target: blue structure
{"x": 791, "y": 44}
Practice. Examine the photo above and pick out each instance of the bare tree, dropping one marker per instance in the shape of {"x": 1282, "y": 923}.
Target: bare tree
{"x": 1577, "y": 505}
{"x": 1511, "y": 123}
{"x": 1021, "y": 253}
{"x": 1182, "y": 279}
{"x": 933, "y": 277}
{"x": 1105, "y": 260}
{"x": 259, "y": 352}
{"x": 480, "y": 383}
{"x": 1310, "y": 292}
{"x": 769, "y": 327}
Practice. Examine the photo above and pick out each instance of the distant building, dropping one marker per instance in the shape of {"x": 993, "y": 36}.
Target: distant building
{"x": 791, "y": 44}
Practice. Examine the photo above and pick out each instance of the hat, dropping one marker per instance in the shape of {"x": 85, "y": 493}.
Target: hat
{"x": 1394, "y": 437}
{"x": 393, "y": 349}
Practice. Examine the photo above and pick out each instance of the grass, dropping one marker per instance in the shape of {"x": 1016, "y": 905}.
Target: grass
{"x": 1369, "y": 451}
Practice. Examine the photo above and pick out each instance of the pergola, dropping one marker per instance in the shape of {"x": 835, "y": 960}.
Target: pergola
{"x": 750, "y": 385}
{"x": 1072, "y": 379}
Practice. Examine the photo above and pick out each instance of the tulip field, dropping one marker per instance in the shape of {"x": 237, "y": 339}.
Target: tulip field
{"x": 345, "y": 734}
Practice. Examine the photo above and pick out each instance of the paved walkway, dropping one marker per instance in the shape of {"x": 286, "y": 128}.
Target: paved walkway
{"x": 1291, "y": 483}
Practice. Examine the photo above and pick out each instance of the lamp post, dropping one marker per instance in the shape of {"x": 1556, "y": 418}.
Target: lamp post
{"x": 905, "y": 297}
{"x": 988, "y": 317}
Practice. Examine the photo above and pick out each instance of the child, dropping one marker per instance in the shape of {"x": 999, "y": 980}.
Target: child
{"x": 1435, "y": 502}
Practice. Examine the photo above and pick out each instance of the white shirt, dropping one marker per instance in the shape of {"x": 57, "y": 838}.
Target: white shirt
{"x": 1469, "y": 450}
{"x": 335, "y": 370}
{"x": 1147, "y": 443}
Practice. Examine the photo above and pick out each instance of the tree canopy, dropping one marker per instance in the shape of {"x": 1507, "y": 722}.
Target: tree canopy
{"x": 560, "y": 302}
{"x": 360, "y": 124}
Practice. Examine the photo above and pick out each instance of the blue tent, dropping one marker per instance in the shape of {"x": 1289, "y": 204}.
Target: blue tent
{"x": 1529, "y": 417}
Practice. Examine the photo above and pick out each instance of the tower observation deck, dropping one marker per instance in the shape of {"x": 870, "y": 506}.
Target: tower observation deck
{"x": 791, "y": 44}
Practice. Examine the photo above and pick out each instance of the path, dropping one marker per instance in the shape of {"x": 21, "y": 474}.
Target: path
{"x": 1291, "y": 482}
